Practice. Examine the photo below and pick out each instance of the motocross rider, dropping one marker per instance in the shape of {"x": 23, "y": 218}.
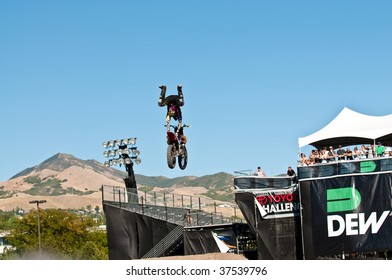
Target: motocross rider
{"x": 174, "y": 104}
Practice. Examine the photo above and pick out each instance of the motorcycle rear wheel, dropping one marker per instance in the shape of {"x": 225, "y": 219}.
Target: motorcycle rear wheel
{"x": 183, "y": 158}
{"x": 171, "y": 156}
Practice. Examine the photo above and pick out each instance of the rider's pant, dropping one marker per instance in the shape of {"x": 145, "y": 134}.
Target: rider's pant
{"x": 161, "y": 100}
{"x": 168, "y": 118}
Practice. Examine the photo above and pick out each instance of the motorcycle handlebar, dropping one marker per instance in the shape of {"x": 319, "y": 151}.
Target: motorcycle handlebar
{"x": 173, "y": 126}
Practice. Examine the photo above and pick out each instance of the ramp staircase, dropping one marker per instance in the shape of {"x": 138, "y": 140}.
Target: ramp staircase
{"x": 167, "y": 243}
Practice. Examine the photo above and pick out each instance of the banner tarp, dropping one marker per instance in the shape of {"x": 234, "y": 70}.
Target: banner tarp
{"x": 347, "y": 214}
{"x": 273, "y": 215}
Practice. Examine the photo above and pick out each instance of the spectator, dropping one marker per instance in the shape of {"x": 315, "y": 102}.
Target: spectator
{"x": 312, "y": 156}
{"x": 331, "y": 154}
{"x": 187, "y": 218}
{"x": 303, "y": 160}
{"x": 388, "y": 151}
{"x": 362, "y": 152}
{"x": 324, "y": 155}
{"x": 356, "y": 154}
{"x": 341, "y": 153}
{"x": 380, "y": 150}
{"x": 260, "y": 172}
{"x": 370, "y": 151}
{"x": 291, "y": 173}
{"x": 349, "y": 154}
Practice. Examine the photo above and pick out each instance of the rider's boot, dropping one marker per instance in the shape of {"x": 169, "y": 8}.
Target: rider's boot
{"x": 180, "y": 94}
{"x": 162, "y": 95}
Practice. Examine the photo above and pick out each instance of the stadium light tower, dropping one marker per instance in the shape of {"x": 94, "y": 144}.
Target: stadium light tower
{"x": 38, "y": 202}
{"x": 123, "y": 152}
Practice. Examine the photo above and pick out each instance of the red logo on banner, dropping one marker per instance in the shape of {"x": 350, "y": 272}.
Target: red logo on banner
{"x": 277, "y": 198}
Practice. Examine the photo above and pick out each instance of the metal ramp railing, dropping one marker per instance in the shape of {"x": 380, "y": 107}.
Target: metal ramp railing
{"x": 167, "y": 204}
{"x": 166, "y": 243}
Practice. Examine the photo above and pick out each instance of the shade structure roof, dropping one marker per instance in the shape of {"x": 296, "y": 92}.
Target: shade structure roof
{"x": 351, "y": 128}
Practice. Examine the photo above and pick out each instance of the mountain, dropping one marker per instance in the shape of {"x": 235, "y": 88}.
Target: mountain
{"x": 60, "y": 162}
{"x": 65, "y": 181}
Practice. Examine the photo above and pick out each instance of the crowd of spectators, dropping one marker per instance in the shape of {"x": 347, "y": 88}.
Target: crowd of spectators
{"x": 330, "y": 155}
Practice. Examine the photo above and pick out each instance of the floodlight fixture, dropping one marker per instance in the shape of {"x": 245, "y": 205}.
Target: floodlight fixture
{"x": 132, "y": 141}
{"x": 121, "y": 151}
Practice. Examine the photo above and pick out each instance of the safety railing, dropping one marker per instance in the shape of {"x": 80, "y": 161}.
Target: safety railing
{"x": 180, "y": 209}
{"x": 246, "y": 172}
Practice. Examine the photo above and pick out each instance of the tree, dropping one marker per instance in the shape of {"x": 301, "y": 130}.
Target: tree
{"x": 7, "y": 219}
{"x": 64, "y": 235}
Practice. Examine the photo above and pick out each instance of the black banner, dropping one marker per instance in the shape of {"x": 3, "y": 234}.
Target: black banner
{"x": 345, "y": 168}
{"x": 347, "y": 214}
{"x": 200, "y": 241}
{"x": 254, "y": 182}
{"x": 273, "y": 215}
{"x": 131, "y": 235}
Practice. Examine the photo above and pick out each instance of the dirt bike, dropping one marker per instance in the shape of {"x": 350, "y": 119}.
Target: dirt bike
{"x": 176, "y": 147}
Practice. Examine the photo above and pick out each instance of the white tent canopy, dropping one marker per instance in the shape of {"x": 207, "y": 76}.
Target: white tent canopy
{"x": 351, "y": 128}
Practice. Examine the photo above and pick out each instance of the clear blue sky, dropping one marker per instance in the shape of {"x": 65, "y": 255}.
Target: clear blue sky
{"x": 256, "y": 76}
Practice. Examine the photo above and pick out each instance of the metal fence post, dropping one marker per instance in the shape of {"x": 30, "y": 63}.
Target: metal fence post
{"x": 142, "y": 205}
{"x": 119, "y": 197}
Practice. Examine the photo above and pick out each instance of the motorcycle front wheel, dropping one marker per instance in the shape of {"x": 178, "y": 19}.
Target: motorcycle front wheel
{"x": 183, "y": 158}
{"x": 171, "y": 156}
